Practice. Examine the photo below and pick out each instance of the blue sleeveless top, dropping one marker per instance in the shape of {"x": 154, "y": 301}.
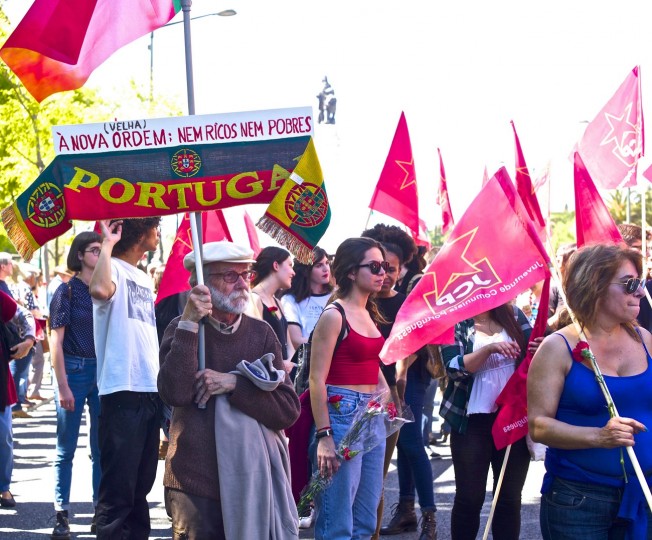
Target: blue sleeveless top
{"x": 582, "y": 404}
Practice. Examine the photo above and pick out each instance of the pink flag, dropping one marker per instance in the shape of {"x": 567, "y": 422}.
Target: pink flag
{"x": 59, "y": 43}
{"x": 613, "y": 142}
{"x": 470, "y": 274}
{"x": 526, "y": 190}
{"x": 396, "y": 191}
{"x": 593, "y": 221}
{"x": 444, "y": 203}
{"x": 175, "y": 277}
{"x": 542, "y": 179}
{"x": 485, "y": 177}
{"x": 511, "y": 422}
{"x": 252, "y": 234}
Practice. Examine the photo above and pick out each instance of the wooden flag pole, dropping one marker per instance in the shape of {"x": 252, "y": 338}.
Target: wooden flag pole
{"x": 497, "y": 492}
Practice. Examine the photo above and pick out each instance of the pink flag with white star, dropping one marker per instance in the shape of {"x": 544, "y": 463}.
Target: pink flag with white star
{"x": 396, "y": 192}
{"x": 613, "y": 142}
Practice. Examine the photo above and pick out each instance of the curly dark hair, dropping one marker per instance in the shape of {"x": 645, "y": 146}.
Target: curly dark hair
{"x": 79, "y": 245}
{"x": 391, "y": 234}
{"x": 133, "y": 231}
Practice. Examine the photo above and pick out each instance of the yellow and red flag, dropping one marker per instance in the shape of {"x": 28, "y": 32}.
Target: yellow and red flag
{"x": 59, "y": 43}
{"x": 299, "y": 214}
{"x": 396, "y": 192}
{"x": 470, "y": 275}
{"x": 613, "y": 142}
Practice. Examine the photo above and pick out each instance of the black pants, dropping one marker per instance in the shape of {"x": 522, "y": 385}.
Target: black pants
{"x": 129, "y": 438}
{"x": 473, "y": 453}
{"x": 195, "y": 517}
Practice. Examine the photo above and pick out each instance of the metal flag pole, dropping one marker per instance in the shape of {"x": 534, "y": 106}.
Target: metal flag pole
{"x": 195, "y": 218}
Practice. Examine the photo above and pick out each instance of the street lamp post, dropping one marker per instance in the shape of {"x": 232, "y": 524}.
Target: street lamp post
{"x": 223, "y": 13}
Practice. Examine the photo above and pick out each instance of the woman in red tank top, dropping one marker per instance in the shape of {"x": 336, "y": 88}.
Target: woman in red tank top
{"x": 339, "y": 381}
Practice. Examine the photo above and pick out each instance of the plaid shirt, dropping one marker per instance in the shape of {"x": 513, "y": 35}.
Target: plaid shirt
{"x": 458, "y": 391}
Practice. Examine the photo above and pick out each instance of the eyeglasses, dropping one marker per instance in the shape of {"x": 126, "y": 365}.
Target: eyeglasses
{"x": 232, "y": 276}
{"x": 375, "y": 267}
{"x": 631, "y": 285}
{"x": 95, "y": 251}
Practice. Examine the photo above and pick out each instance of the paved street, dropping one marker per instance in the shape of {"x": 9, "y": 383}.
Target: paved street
{"x": 33, "y": 517}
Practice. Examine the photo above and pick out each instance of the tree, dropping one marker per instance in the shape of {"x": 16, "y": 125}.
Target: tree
{"x": 617, "y": 204}
{"x": 563, "y": 228}
{"x": 25, "y": 131}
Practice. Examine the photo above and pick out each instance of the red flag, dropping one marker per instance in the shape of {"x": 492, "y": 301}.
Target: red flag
{"x": 648, "y": 173}
{"x": 396, "y": 192}
{"x": 175, "y": 277}
{"x": 511, "y": 422}
{"x": 252, "y": 234}
{"x": 444, "y": 203}
{"x": 593, "y": 221}
{"x": 485, "y": 177}
{"x": 422, "y": 239}
{"x": 526, "y": 190}
{"x": 58, "y": 43}
{"x": 470, "y": 275}
{"x": 613, "y": 142}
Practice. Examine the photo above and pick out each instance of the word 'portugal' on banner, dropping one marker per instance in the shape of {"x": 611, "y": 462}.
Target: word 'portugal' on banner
{"x": 186, "y": 164}
{"x": 485, "y": 263}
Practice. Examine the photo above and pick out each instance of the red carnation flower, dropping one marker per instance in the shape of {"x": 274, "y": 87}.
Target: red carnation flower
{"x": 391, "y": 411}
{"x": 335, "y": 401}
{"x": 581, "y": 351}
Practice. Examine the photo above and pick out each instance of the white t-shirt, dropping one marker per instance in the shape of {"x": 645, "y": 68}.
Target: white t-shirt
{"x": 124, "y": 330}
{"x": 305, "y": 313}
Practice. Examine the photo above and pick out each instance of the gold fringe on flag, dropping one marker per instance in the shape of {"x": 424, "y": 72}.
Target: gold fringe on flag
{"x": 17, "y": 234}
{"x": 301, "y": 251}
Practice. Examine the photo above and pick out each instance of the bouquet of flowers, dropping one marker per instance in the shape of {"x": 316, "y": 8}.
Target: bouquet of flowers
{"x": 373, "y": 422}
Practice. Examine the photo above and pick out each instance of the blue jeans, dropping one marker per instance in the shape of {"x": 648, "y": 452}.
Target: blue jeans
{"x": 6, "y": 450}
{"x": 571, "y": 510}
{"x": 413, "y": 465}
{"x": 81, "y": 374}
{"x": 347, "y": 508}
{"x": 20, "y": 372}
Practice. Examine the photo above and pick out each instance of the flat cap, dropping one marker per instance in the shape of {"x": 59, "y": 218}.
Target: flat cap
{"x": 221, "y": 252}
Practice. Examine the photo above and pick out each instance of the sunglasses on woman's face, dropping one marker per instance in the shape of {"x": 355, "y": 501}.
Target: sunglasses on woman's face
{"x": 375, "y": 266}
{"x": 632, "y": 284}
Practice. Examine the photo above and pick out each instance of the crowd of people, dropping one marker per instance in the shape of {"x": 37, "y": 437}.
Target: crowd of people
{"x": 217, "y": 371}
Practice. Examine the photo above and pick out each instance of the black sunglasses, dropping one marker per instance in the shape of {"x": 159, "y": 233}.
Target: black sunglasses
{"x": 632, "y": 284}
{"x": 375, "y": 266}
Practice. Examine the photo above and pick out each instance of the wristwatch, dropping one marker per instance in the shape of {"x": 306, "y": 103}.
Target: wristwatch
{"x": 324, "y": 433}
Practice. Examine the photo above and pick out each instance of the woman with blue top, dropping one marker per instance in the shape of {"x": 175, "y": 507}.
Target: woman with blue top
{"x": 487, "y": 351}
{"x": 75, "y": 368}
{"x": 590, "y": 489}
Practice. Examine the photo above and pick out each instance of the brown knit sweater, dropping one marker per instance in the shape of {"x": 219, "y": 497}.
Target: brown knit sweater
{"x": 191, "y": 464}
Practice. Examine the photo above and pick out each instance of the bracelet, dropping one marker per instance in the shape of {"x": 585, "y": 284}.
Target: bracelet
{"x": 323, "y": 429}
{"x": 327, "y": 432}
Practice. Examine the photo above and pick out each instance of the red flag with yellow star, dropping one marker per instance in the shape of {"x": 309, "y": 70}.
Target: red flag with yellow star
{"x": 613, "y": 142}
{"x": 483, "y": 264}
{"x": 396, "y": 193}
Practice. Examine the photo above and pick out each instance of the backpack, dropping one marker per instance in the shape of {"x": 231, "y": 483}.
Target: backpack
{"x": 302, "y": 355}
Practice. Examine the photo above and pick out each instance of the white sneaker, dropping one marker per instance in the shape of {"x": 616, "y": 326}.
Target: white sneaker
{"x": 306, "y": 522}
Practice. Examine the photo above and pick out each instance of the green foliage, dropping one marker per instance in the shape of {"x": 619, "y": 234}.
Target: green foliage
{"x": 563, "y": 228}
{"x": 26, "y": 128}
{"x": 617, "y": 203}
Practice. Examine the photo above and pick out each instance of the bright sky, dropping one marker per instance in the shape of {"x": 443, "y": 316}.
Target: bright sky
{"x": 460, "y": 71}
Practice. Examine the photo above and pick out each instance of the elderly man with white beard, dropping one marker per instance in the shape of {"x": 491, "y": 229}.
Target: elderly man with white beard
{"x": 231, "y": 457}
